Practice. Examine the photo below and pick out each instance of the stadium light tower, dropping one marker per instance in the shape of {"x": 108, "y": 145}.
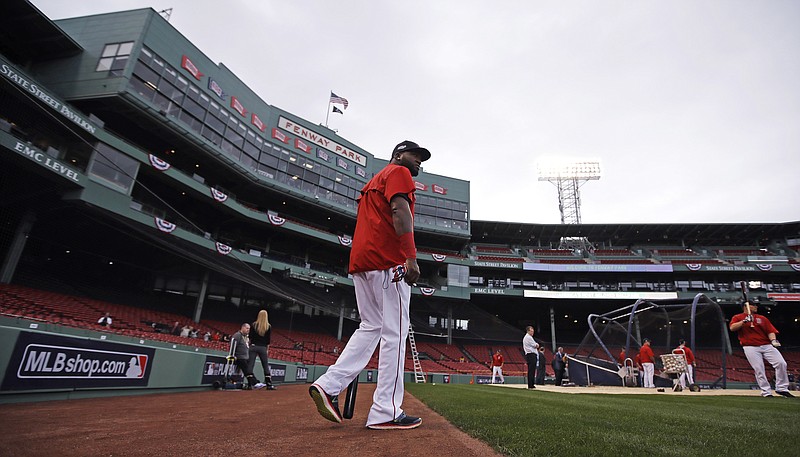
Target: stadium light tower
{"x": 568, "y": 177}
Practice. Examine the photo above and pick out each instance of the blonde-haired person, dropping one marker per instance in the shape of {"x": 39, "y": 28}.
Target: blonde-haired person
{"x": 259, "y": 346}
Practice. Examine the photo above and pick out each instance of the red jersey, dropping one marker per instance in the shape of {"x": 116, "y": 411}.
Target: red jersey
{"x": 497, "y": 360}
{"x": 756, "y": 335}
{"x": 688, "y": 352}
{"x": 646, "y": 355}
{"x": 376, "y": 245}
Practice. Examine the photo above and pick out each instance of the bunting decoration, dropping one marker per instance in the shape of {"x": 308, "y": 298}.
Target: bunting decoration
{"x": 157, "y": 163}
{"x": 218, "y": 196}
{"x": 274, "y": 219}
{"x": 164, "y": 226}
{"x": 223, "y": 249}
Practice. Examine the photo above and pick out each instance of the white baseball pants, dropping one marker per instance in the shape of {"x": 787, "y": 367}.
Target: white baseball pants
{"x": 383, "y": 307}
{"x": 688, "y": 377}
{"x": 649, "y": 370}
{"x": 756, "y": 356}
{"x": 497, "y": 371}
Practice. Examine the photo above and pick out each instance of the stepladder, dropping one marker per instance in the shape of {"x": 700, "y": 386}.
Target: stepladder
{"x": 419, "y": 375}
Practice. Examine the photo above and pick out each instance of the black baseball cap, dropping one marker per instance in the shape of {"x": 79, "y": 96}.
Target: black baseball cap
{"x": 411, "y": 146}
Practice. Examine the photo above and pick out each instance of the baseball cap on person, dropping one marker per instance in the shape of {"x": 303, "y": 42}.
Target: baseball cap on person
{"x": 411, "y": 146}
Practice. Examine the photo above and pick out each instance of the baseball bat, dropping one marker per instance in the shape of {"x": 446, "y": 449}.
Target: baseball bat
{"x": 746, "y": 301}
{"x": 350, "y": 401}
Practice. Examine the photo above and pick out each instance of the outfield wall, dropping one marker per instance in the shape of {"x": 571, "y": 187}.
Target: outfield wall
{"x": 43, "y": 361}
{"x": 40, "y": 361}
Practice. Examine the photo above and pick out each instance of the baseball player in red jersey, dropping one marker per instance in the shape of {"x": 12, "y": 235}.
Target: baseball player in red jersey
{"x": 758, "y": 338}
{"x": 688, "y": 377}
{"x": 647, "y": 359}
{"x": 497, "y": 367}
{"x": 383, "y": 263}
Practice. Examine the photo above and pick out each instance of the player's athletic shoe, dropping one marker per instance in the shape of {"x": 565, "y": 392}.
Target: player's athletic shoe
{"x": 259, "y": 385}
{"x": 327, "y": 405}
{"x": 785, "y": 393}
{"x": 402, "y": 422}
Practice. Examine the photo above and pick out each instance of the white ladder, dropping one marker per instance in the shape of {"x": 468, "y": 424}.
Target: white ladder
{"x": 419, "y": 375}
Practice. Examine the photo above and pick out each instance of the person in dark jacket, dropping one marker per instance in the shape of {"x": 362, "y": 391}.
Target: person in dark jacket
{"x": 260, "y": 335}
{"x": 240, "y": 346}
{"x": 559, "y": 364}
{"x": 541, "y": 366}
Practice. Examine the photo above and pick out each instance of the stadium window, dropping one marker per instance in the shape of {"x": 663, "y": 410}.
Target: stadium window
{"x": 146, "y": 74}
{"x": 432, "y": 321}
{"x": 248, "y": 161}
{"x": 311, "y": 177}
{"x": 193, "y": 108}
{"x": 142, "y": 88}
{"x": 309, "y": 188}
{"x": 325, "y": 183}
{"x": 251, "y": 149}
{"x": 114, "y": 57}
{"x": 146, "y": 56}
{"x": 112, "y": 169}
{"x": 444, "y": 213}
{"x": 170, "y": 90}
{"x": 294, "y": 170}
{"x": 193, "y": 123}
{"x": 211, "y": 135}
{"x": 169, "y": 74}
{"x": 230, "y": 150}
{"x": 268, "y": 160}
{"x": 234, "y": 138}
{"x": 294, "y": 181}
{"x": 162, "y": 103}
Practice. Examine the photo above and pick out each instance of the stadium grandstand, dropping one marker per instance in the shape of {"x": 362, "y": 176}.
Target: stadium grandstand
{"x": 142, "y": 179}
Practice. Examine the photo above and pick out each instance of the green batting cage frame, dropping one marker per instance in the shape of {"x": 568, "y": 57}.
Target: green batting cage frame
{"x": 699, "y": 320}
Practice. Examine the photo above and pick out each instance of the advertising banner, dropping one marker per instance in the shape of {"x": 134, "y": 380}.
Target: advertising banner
{"x": 42, "y": 361}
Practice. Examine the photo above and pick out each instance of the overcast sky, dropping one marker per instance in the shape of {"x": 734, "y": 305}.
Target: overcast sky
{"x": 691, "y": 107}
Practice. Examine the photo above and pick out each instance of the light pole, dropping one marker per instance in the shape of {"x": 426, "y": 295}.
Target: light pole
{"x": 568, "y": 177}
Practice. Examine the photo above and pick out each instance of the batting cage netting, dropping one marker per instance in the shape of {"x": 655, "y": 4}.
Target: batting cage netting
{"x": 606, "y": 355}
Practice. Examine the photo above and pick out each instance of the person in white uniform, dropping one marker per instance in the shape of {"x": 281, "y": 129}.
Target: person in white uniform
{"x": 759, "y": 341}
{"x": 384, "y": 266}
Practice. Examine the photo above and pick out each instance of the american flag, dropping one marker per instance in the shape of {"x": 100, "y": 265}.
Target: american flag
{"x": 337, "y": 99}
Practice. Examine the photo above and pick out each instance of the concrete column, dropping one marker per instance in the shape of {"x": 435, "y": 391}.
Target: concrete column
{"x": 201, "y": 298}
{"x": 17, "y": 246}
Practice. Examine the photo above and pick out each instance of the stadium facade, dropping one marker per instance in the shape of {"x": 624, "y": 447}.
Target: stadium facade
{"x": 133, "y": 167}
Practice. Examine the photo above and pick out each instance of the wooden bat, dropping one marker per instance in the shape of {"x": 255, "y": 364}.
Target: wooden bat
{"x": 350, "y": 401}
{"x": 746, "y": 302}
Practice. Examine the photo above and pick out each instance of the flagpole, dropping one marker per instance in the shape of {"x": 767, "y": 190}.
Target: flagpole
{"x": 329, "y": 111}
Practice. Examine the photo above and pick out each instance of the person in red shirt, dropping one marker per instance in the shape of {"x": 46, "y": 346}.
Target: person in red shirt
{"x": 497, "y": 367}
{"x": 621, "y": 357}
{"x": 383, "y": 263}
{"x": 688, "y": 377}
{"x": 647, "y": 358}
{"x": 758, "y": 338}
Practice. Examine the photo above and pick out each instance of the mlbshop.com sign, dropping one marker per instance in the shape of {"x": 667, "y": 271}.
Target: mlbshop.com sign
{"x": 44, "y": 361}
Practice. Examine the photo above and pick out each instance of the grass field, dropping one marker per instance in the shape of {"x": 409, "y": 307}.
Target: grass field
{"x": 519, "y": 422}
